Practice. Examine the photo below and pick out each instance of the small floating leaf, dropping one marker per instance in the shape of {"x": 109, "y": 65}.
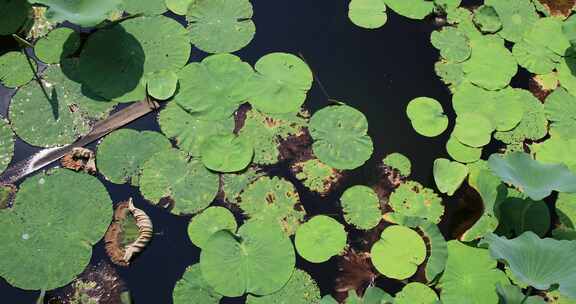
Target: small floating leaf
{"x": 226, "y": 153}
{"x": 411, "y": 199}
{"x": 82, "y": 12}
{"x": 370, "y": 14}
{"x": 560, "y": 108}
{"x": 320, "y": 238}
{"x": 416, "y": 293}
{"x": 427, "y": 116}
{"x": 61, "y": 42}
{"x": 209, "y": 222}
{"x": 533, "y": 124}
{"x": 398, "y": 162}
{"x": 6, "y": 144}
{"x": 453, "y": 44}
{"x": 361, "y": 207}
{"x": 316, "y": 176}
{"x": 416, "y": 9}
{"x": 234, "y": 184}
{"x": 449, "y": 175}
{"x": 15, "y": 70}
{"x": 473, "y": 130}
{"x": 300, "y": 289}
{"x": 162, "y": 84}
{"x": 193, "y": 288}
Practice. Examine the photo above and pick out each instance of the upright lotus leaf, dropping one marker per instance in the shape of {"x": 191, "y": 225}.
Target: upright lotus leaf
{"x": 234, "y": 184}
{"x": 85, "y": 13}
{"x": 162, "y": 84}
{"x": 300, "y": 289}
{"x": 487, "y": 20}
{"x": 13, "y": 14}
{"x": 280, "y": 84}
{"x": 411, "y": 199}
{"x": 461, "y": 152}
{"x": 556, "y": 150}
{"x": 214, "y": 88}
{"x": 193, "y": 288}
{"x": 470, "y": 276}
{"x": 56, "y": 218}
{"x": 361, "y": 207}
{"x": 538, "y": 262}
{"x": 533, "y": 125}
{"x": 208, "y": 222}
{"x": 170, "y": 177}
{"x": 427, "y": 116}
{"x": 491, "y": 65}
{"x": 510, "y": 294}
{"x": 320, "y": 238}
{"x": 453, "y": 44}
{"x": 452, "y": 74}
{"x": 370, "y": 14}
{"x": 188, "y": 131}
{"x": 518, "y": 214}
{"x": 517, "y": 17}
{"x": 61, "y": 42}
{"x": 449, "y": 175}
{"x": 260, "y": 258}
{"x": 179, "y": 7}
{"x": 148, "y": 7}
{"x": 220, "y": 26}
{"x": 122, "y": 154}
{"x": 535, "y": 179}
{"x": 15, "y": 70}
{"x": 340, "y": 137}
{"x": 472, "y": 129}
{"x": 416, "y": 293}
{"x": 417, "y": 9}
{"x": 226, "y": 153}
{"x": 398, "y": 252}
{"x": 560, "y": 108}
{"x": 316, "y": 176}
{"x": 398, "y": 162}
{"x": 6, "y": 144}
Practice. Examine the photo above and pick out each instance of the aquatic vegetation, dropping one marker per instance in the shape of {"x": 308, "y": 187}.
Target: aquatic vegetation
{"x": 518, "y": 214}
{"x": 59, "y": 43}
{"x": 513, "y": 294}
{"x": 517, "y": 17}
{"x": 146, "y": 7}
{"x": 398, "y": 161}
{"x": 7, "y": 193}
{"x": 416, "y": 293}
{"x": 566, "y": 212}
{"x": 370, "y": 14}
{"x": 411, "y": 199}
{"x": 15, "y": 70}
{"x": 559, "y": 107}
{"x": 6, "y": 144}
{"x": 162, "y": 84}
{"x": 233, "y": 184}
{"x": 461, "y": 152}
{"x": 193, "y": 287}
{"x": 320, "y": 238}
{"x": 226, "y": 153}
{"x": 556, "y": 150}
{"x": 449, "y": 175}
{"x": 83, "y": 12}
{"x": 438, "y": 252}
{"x": 361, "y": 207}
{"x": 316, "y": 176}
{"x": 474, "y": 130}
{"x": 300, "y": 289}
{"x": 14, "y": 15}
{"x": 487, "y": 20}
{"x": 453, "y": 44}
{"x": 427, "y": 116}
{"x": 208, "y": 222}
{"x": 417, "y": 9}
{"x": 179, "y": 7}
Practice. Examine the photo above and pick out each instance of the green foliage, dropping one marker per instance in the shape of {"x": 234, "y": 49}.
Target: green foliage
{"x": 226, "y": 153}
{"x": 450, "y": 73}
{"x": 56, "y": 218}
{"x": 147, "y": 7}
{"x": 532, "y": 126}
{"x": 416, "y": 293}
{"x": 398, "y": 161}
{"x": 556, "y": 150}
{"x": 320, "y": 238}
{"x": 449, "y": 175}
{"x": 517, "y": 17}
{"x": 361, "y": 207}
{"x": 560, "y": 107}
{"x": 15, "y": 70}
{"x": 566, "y": 211}
{"x": 510, "y": 294}
{"x": 340, "y": 137}
{"x": 487, "y": 20}
{"x": 208, "y": 222}
{"x": 518, "y": 214}
{"x": 179, "y": 7}
{"x": 316, "y": 176}
{"x": 260, "y": 258}
{"x": 234, "y": 184}
{"x": 474, "y": 130}
{"x": 565, "y": 75}
{"x": 411, "y": 199}
{"x": 453, "y": 44}
{"x": 461, "y": 152}
{"x": 372, "y": 295}
{"x": 438, "y": 250}
{"x": 300, "y": 289}
{"x": 193, "y": 288}
{"x": 427, "y": 116}
{"x": 162, "y": 84}
{"x": 82, "y": 12}
{"x": 13, "y": 14}
{"x": 60, "y": 43}
{"x": 398, "y": 252}
{"x": 417, "y": 9}
{"x": 491, "y": 65}
{"x": 6, "y": 144}
{"x": 370, "y": 14}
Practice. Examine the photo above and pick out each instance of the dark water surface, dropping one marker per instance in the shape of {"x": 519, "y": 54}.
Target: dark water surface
{"x": 376, "y": 71}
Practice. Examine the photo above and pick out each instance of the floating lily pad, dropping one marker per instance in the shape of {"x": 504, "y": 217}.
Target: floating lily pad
{"x": 61, "y": 42}
{"x": 519, "y": 214}
{"x": 260, "y": 258}
{"x": 533, "y": 125}
{"x": 226, "y": 153}
{"x": 209, "y": 222}
{"x": 398, "y": 162}
{"x": 448, "y": 175}
{"x": 233, "y": 184}
{"x": 162, "y": 84}
{"x": 148, "y": 7}
{"x": 122, "y": 154}
{"x": 56, "y": 218}
{"x": 220, "y": 26}
{"x": 473, "y": 129}
{"x": 511, "y": 294}
{"x": 193, "y": 288}
{"x": 438, "y": 250}
{"x": 13, "y": 15}
{"x": 556, "y": 150}
{"x": 372, "y": 295}
{"x": 453, "y": 44}
{"x": 487, "y": 20}
{"x": 316, "y": 176}
{"x": 320, "y": 238}
{"x": 417, "y": 9}
{"x": 15, "y": 70}
{"x": 361, "y": 207}
{"x": 416, "y": 293}
{"x": 491, "y": 65}
{"x": 560, "y": 107}
{"x": 517, "y": 17}
{"x": 340, "y": 137}
{"x": 427, "y": 116}
{"x": 370, "y": 14}
{"x": 411, "y": 199}
{"x": 82, "y": 12}
{"x": 450, "y": 73}
{"x": 6, "y": 144}
{"x": 179, "y": 7}
{"x": 398, "y": 252}
{"x": 566, "y": 210}
{"x": 300, "y": 289}
{"x": 461, "y": 152}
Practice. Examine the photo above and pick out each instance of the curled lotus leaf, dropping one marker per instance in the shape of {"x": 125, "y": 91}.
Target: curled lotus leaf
{"x": 472, "y": 129}
{"x": 220, "y": 26}
{"x": 193, "y": 288}
{"x": 427, "y": 116}
{"x": 370, "y": 14}
{"x": 226, "y": 153}
{"x": 461, "y": 152}
{"x": 233, "y": 184}
{"x": 56, "y": 218}
{"x": 560, "y": 107}
{"x": 532, "y": 126}
{"x": 416, "y": 293}
{"x": 417, "y": 9}
{"x": 162, "y": 84}
{"x": 398, "y": 252}
{"x": 487, "y": 20}
{"x": 300, "y": 289}
{"x": 6, "y": 144}
{"x": 13, "y": 15}
{"x": 147, "y": 7}
{"x": 556, "y": 150}
{"x": 320, "y": 238}
{"x": 59, "y": 43}
{"x": 361, "y": 207}
{"x": 453, "y": 44}
{"x": 179, "y": 7}
{"x": 280, "y": 84}
{"x": 208, "y": 222}
{"x": 449, "y": 175}
{"x": 82, "y": 12}
{"x": 316, "y": 176}
{"x": 260, "y": 258}
{"x": 340, "y": 137}
{"x": 411, "y": 199}
{"x": 15, "y": 70}
{"x": 517, "y": 17}
{"x": 398, "y": 162}
{"x": 491, "y": 65}
{"x": 170, "y": 177}
{"x": 518, "y": 214}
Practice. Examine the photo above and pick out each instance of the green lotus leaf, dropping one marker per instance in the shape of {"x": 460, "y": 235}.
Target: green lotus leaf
{"x": 398, "y": 162}
{"x": 566, "y": 77}
{"x": 517, "y": 17}
{"x": 170, "y": 176}
{"x": 300, "y": 289}
{"x": 453, "y": 44}
{"x": 6, "y": 144}
{"x": 458, "y": 15}
{"x": 416, "y": 293}
{"x": 148, "y": 7}
{"x": 56, "y": 218}
{"x": 179, "y": 7}
{"x": 226, "y": 153}
{"x": 491, "y": 65}
{"x": 427, "y": 116}
{"x": 328, "y": 299}
{"x": 208, "y": 222}
{"x": 461, "y": 152}
{"x": 340, "y": 137}
{"x": 566, "y": 210}
{"x": 214, "y": 88}
{"x": 275, "y": 200}
{"x": 535, "y": 58}
{"x": 563, "y": 233}
{"x": 560, "y": 107}
{"x": 61, "y": 42}
{"x": 449, "y": 175}
{"x": 538, "y": 262}
{"x": 372, "y": 295}
{"x": 260, "y": 258}
{"x": 361, "y": 207}
{"x": 447, "y": 4}
{"x": 122, "y": 154}
{"x": 316, "y": 176}
{"x": 533, "y": 125}
{"x": 82, "y": 12}
{"x": 556, "y": 150}
{"x": 452, "y": 74}
{"x": 162, "y": 84}
{"x": 569, "y": 29}
{"x": 233, "y": 184}
{"x": 555, "y": 297}
{"x": 472, "y": 129}
{"x": 411, "y": 199}
{"x": 220, "y": 26}
{"x": 370, "y": 14}
{"x": 487, "y": 20}
{"x": 187, "y": 130}
{"x": 470, "y": 276}
{"x": 280, "y": 84}
{"x": 535, "y": 179}
{"x": 320, "y": 238}
{"x": 510, "y": 294}
{"x": 15, "y": 70}
{"x": 438, "y": 250}
{"x": 519, "y": 214}
{"x": 417, "y": 9}
{"x": 398, "y": 252}
{"x": 13, "y": 15}
{"x": 548, "y": 32}
{"x": 193, "y": 288}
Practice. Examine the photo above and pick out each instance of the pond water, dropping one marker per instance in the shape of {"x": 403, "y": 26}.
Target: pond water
{"x": 378, "y": 72}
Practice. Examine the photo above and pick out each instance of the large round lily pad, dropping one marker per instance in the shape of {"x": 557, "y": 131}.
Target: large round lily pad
{"x": 193, "y": 288}
{"x": 56, "y": 218}
{"x": 361, "y": 207}
{"x": 15, "y": 69}
{"x": 59, "y": 43}
{"x": 415, "y": 9}
{"x": 148, "y": 7}
{"x": 427, "y": 116}
{"x": 300, "y": 289}
{"x": 226, "y": 153}
{"x": 209, "y": 222}
{"x": 320, "y": 238}
{"x": 13, "y": 14}
{"x": 517, "y": 17}
{"x": 260, "y": 259}
{"x": 398, "y": 252}
{"x": 370, "y": 14}
{"x": 6, "y": 144}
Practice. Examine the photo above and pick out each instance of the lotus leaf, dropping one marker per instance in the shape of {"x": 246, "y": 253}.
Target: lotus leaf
{"x": 56, "y": 218}
{"x": 82, "y": 12}
{"x": 510, "y": 294}
{"x": 300, "y": 289}
{"x": 538, "y": 262}
{"x": 214, "y": 88}
{"x": 438, "y": 250}
{"x": 450, "y": 73}
{"x": 417, "y": 9}
{"x": 15, "y": 70}
{"x": 372, "y": 295}
{"x": 535, "y": 179}
{"x": 340, "y": 137}
{"x": 414, "y": 200}
{"x": 361, "y": 207}
{"x": 260, "y": 259}
{"x": 193, "y": 288}
{"x": 220, "y": 26}
{"x": 569, "y": 29}
{"x": 427, "y": 116}
{"x": 487, "y": 20}
{"x": 273, "y": 199}
{"x": 458, "y": 15}
{"x": 560, "y": 107}
{"x": 226, "y": 153}
{"x": 453, "y": 44}
{"x": 61, "y": 42}
{"x": 122, "y": 154}
{"x": 449, "y": 175}
{"x": 162, "y": 84}
{"x": 398, "y": 162}
{"x": 535, "y": 58}
{"x": 533, "y": 125}
{"x": 184, "y": 183}
{"x": 234, "y": 184}
{"x": 398, "y": 252}
{"x": 148, "y": 7}
{"x": 556, "y": 150}
{"x": 565, "y": 75}
{"x": 208, "y": 222}
{"x": 6, "y": 144}
{"x": 179, "y": 7}
{"x": 519, "y": 214}
{"x": 462, "y": 153}
{"x": 566, "y": 210}
{"x": 370, "y": 14}
{"x": 517, "y": 17}
{"x": 472, "y": 129}
{"x": 320, "y": 238}
{"x": 470, "y": 276}
{"x": 280, "y": 84}
{"x": 416, "y": 293}
{"x": 316, "y": 176}
{"x": 491, "y": 65}
{"x": 13, "y": 15}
